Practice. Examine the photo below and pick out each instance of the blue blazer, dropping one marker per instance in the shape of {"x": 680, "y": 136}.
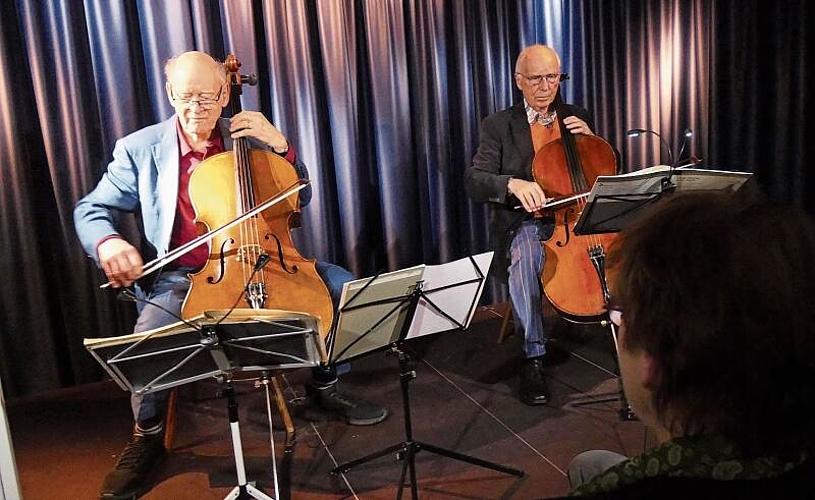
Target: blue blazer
{"x": 142, "y": 179}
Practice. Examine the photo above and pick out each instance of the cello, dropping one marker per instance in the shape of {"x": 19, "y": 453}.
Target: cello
{"x": 573, "y": 276}
{"x": 255, "y": 259}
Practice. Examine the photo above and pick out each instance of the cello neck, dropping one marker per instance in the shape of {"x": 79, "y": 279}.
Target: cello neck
{"x": 243, "y": 169}
{"x": 579, "y": 183}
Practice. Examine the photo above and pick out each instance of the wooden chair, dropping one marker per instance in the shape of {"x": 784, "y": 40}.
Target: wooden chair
{"x": 280, "y": 401}
{"x": 506, "y": 330}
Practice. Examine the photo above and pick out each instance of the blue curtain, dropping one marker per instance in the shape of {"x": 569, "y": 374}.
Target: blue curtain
{"x": 382, "y": 99}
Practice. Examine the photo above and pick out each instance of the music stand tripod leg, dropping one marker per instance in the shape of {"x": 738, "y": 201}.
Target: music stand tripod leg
{"x": 625, "y": 412}
{"x": 243, "y": 490}
{"x": 406, "y": 450}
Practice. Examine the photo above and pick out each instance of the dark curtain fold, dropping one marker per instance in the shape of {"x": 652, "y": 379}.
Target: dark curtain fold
{"x": 383, "y": 99}
{"x": 759, "y": 80}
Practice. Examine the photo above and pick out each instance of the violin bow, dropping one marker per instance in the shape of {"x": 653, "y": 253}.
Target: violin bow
{"x": 187, "y": 247}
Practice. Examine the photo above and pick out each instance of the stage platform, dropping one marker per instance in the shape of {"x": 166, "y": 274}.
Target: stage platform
{"x": 464, "y": 399}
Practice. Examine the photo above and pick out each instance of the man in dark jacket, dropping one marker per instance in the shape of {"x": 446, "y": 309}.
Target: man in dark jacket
{"x": 501, "y": 175}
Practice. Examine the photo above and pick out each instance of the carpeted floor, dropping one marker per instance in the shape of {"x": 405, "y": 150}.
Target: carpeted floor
{"x": 464, "y": 399}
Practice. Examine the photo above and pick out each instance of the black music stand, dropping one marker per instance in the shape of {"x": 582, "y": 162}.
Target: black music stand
{"x": 615, "y": 201}
{"x": 385, "y": 311}
{"x": 216, "y": 344}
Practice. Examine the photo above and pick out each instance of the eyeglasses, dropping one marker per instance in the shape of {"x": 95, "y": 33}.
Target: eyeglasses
{"x": 202, "y": 101}
{"x": 615, "y": 312}
{"x": 551, "y": 78}
{"x": 615, "y": 316}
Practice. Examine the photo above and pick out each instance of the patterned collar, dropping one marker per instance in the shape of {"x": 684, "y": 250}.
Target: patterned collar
{"x": 703, "y": 458}
{"x": 532, "y": 116}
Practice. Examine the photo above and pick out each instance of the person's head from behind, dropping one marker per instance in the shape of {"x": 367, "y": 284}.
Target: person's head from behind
{"x": 196, "y": 87}
{"x": 537, "y": 75}
{"x": 716, "y": 338}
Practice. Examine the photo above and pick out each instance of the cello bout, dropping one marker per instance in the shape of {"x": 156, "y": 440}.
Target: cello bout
{"x": 570, "y": 279}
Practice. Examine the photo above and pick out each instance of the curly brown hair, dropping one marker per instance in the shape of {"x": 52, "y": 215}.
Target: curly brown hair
{"x": 720, "y": 292}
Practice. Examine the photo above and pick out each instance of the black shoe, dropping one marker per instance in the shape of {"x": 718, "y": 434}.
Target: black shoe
{"x": 534, "y": 390}
{"x": 129, "y": 477}
{"x": 330, "y": 403}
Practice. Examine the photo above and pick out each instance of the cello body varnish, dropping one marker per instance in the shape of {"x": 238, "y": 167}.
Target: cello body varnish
{"x": 254, "y": 264}
{"x": 573, "y": 279}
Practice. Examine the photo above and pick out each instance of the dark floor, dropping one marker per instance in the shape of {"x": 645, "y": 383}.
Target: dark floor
{"x": 463, "y": 399}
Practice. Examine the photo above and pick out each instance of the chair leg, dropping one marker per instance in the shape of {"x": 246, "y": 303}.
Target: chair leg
{"x": 169, "y": 419}
{"x": 504, "y": 332}
{"x": 284, "y": 410}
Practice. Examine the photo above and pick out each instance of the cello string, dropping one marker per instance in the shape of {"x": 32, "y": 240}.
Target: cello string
{"x": 253, "y": 234}
{"x": 240, "y": 171}
{"x": 260, "y": 276}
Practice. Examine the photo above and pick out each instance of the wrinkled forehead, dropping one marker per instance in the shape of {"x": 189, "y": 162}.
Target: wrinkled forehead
{"x": 538, "y": 60}
{"x": 540, "y": 64}
{"x": 196, "y": 81}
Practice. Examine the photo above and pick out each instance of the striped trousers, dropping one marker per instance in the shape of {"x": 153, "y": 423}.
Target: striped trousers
{"x": 525, "y": 291}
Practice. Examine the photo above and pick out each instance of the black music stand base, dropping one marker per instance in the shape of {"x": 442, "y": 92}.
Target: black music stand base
{"x": 407, "y": 449}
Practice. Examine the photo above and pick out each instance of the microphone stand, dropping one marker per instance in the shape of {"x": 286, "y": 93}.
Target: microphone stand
{"x": 667, "y": 185}
{"x": 637, "y": 132}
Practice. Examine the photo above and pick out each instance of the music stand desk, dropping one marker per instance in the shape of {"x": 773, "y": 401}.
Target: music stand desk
{"x": 615, "y": 200}
{"x": 385, "y": 311}
{"x": 215, "y": 344}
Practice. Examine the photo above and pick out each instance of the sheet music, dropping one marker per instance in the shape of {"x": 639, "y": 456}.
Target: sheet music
{"x": 456, "y": 301}
{"x": 648, "y": 181}
{"x": 615, "y": 200}
{"x": 245, "y": 340}
{"x": 373, "y": 311}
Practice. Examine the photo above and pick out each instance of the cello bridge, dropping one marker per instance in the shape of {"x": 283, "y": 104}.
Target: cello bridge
{"x": 248, "y": 253}
{"x": 256, "y": 295}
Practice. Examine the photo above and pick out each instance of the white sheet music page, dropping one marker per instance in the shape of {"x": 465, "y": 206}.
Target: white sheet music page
{"x": 454, "y": 288}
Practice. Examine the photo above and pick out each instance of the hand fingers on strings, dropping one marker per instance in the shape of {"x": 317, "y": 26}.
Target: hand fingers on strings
{"x": 577, "y": 126}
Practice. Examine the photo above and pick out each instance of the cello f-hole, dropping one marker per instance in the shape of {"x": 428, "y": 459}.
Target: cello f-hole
{"x": 280, "y": 258}
{"x": 222, "y": 260}
{"x": 566, "y": 214}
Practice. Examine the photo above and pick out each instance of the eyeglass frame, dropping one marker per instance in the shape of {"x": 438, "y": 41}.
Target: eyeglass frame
{"x": 551, "y": 78}
{"x": 203, "y": 103}
{"x": 615, "y": 316}
{"x": 615, "y": 312}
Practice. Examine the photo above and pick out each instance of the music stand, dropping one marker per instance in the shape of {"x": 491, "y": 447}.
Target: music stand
{"x": 385, "y": 311}
{"x": 616, "y": 200}
{"x": 215, "y": 344}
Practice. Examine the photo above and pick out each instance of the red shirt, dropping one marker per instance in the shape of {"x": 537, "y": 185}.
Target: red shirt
{"x": 184, "y": 226}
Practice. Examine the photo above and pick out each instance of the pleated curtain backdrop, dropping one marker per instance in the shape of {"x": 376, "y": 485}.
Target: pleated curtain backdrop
{"x": 382, "y": 99}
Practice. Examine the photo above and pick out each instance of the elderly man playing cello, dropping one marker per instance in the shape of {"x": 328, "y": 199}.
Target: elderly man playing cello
{"x": 501, "y": 175}
{"x": 149, "y": 175}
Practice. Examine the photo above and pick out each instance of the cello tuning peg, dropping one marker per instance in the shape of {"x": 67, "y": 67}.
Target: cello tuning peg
{"x": 251, "y": 79}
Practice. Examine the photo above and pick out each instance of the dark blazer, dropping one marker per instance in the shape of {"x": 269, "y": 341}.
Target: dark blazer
{"x": 505, "y": 151}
